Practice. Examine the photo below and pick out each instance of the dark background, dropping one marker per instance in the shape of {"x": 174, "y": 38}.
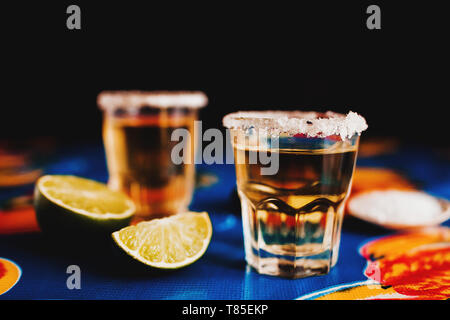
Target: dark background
{"x": 313, "y": 55}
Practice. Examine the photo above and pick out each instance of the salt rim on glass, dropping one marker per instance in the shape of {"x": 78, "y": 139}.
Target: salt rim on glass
{"x": 111, "y": 100}
{"x": 309, "y": 123}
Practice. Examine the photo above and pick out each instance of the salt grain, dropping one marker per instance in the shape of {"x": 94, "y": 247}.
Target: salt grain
{"x": 309, "y": 123}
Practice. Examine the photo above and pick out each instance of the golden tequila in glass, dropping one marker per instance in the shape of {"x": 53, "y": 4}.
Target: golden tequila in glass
{"x": 291, "y": 219}
{"x": 137, "y": 133}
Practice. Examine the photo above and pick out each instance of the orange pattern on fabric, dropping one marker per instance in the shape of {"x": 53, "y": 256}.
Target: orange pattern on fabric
{"x": 365, "y": 292}
{"x": 397, "y": 244}
{"x": 9, "y": 275}
{"x": 414, "y": 263}
{"x": 371, "y": 178}
{"x": 18, "y": 220}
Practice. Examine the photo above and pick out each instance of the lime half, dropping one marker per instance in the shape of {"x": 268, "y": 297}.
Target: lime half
{"x": 69, "y": 203}
{"x": 167, "y": 243}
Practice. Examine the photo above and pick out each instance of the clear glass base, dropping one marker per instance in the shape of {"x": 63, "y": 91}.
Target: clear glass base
{"x": 292, "y": 247}
{"x": 289, "y": 266}
{"x": 289, "y": 269}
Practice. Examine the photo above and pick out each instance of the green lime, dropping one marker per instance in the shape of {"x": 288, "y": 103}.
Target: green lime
{"x": 66, "y": 204}
{"x": 167, "y": 243}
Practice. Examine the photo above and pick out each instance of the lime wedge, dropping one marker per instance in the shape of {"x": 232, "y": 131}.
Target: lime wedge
{"x": 167, "y": 243}
{"x": 69, "y": 203}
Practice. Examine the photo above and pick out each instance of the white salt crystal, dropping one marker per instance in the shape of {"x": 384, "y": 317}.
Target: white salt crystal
{"x": 310, "y": 123}
{"x": 111, "y": 100}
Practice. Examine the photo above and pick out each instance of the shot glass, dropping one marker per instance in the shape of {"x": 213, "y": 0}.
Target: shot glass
{"x": 294, "y": 172}
{"x": 137, "y": 134}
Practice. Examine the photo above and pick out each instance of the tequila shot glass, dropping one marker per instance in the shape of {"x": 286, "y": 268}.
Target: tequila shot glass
{"x": 137, "y": 135}
{"x": 294, "y": 171}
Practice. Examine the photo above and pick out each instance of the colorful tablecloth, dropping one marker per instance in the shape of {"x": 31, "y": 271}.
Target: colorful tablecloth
{"x": 373, "y": 262}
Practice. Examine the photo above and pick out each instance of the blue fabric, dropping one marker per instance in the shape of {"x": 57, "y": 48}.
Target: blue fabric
{"x": 222, "y": 272}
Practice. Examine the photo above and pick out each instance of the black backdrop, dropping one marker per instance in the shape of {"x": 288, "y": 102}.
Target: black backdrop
{"x": 309, "y": 55}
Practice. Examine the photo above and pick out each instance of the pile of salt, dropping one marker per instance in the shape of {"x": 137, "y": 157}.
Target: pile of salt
{"x": 396, "y": 207}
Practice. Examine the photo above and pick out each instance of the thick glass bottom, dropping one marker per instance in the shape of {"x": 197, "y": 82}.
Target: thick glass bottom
{"x": 289, "y": 266}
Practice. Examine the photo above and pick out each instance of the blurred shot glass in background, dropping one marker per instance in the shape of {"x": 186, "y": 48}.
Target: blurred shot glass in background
{"x": 292, "y": 212}
{"x": 137, "y": 130}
